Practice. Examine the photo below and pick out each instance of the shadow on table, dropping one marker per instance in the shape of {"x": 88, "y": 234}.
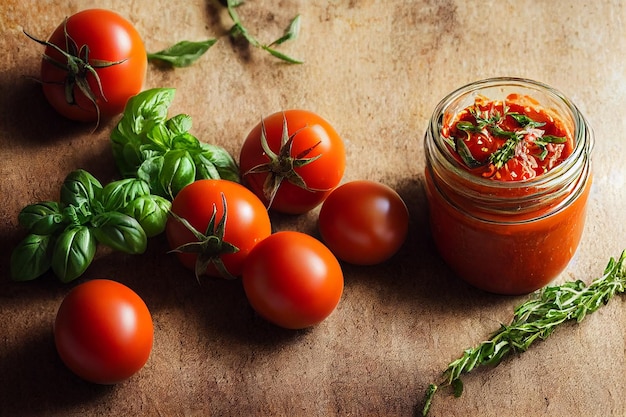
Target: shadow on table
{"x": 34, "y": 380}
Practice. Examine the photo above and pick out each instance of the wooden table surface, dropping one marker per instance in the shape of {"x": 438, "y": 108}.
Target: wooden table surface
{"x": 375, "y": 69}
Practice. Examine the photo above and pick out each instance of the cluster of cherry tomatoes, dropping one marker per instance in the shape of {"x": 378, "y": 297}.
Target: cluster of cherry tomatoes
{"x": 291, "y": 162}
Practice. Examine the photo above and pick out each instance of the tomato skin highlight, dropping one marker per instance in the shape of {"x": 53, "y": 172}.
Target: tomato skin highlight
{"x": 103, "y": 331}
{"x": 247, "y": 221}
{"x": 364, "y": 222}
{"x": 292, "y": 280}
{"x": 110, "y": 37}
{"x": 321, "y": 176}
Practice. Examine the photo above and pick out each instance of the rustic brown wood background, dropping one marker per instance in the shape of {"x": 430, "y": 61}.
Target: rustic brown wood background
{"x": 375, "y": 69}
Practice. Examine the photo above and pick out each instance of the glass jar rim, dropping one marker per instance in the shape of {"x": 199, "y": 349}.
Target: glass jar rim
{"x": 583, "y": 143}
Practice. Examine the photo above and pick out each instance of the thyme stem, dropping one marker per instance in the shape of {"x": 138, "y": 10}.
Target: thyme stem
{"x": 536, "y": 319}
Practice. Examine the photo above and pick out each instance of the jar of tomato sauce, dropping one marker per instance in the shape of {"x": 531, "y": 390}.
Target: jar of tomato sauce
{"x": 508, "y": 173}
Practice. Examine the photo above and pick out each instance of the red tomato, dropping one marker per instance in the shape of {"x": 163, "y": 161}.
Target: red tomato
{"x": 292, "y": 280}
{"x": 305, "y": 162}
{"x": 109, "y": 38}
{"x": 246, "y": 223}
{"x": 364, "y": 222}
{"x": 103, "y": 331}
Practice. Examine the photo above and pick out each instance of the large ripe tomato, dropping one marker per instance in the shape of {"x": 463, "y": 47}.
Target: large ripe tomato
{"x": 364, "y": 222}
{"x": 112, "y": 47}
{"x": 103, "y": 331}
{"x": 221, "y": 250}
{"x": 292, "y": 280}
{"x": 303, "y": 162}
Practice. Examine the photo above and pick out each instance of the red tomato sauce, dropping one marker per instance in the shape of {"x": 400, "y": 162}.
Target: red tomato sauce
{"x": 511, "y": 140}
{"x": 512, "y": 258}
{"x": 510, "y": 223}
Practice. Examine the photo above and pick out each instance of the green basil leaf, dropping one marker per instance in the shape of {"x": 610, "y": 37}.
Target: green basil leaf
{"x": 178, "y": 171}
{"x": 291, "y": 32}
{"x": 214, "y": 162}
{"x": 42, "y": 218}
{"x": 186, "y": 141}
{"x": 151, "y": 211}
{"x": 80, "y": 188}
{"x": 120, "y": 232}
{"x": 183, "y": 53}
{"x": 117, "y": 194}
{"x": 149, "y": 172}
{"x": 158, "y": 140}
{"x": 525, "y": 121}
{"x": 32, "y": 257}
{"x": 142, "y": 113}
{"x": 553, "y": 139}
{"x": 179, "y": 124}
{"x": 73, "y": 252}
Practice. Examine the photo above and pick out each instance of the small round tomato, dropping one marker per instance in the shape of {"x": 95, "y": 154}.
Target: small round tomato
{"x": 364, "y": 222}
{"x": 214, "y": 226}
{"x": 103, "y": 331}
{"x": 94, "y": 62}
{"x": 292, "y": 280}
{"x": 292, "y": 160}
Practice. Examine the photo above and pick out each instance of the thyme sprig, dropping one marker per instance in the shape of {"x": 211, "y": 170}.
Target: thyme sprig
{"x": 536, "y": 319}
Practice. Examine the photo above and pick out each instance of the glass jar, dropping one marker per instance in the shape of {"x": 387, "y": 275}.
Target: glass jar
{"x": 507, "y": 237}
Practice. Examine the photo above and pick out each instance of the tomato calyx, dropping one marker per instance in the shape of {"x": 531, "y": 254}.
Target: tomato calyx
{"x": 210, "y": 245}
{"x": 78, "y": 66}
{"x": 282, "y": 166}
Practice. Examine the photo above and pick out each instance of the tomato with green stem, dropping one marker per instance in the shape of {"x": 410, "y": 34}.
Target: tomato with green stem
{"x": 292, "y": 160}
{"x": 292, "y": 280}
{"x": 214, "y": 226}
{"x": 364, "y": 222}
{"x": 94, "y": 61}
{"x": 103, "y": 331}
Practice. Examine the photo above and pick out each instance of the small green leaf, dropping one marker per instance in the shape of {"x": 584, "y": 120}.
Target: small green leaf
{"x": 120, "y": 232}
{"x": 73, "y": 252}
{"x": 466, "y": 126}
{"x": 151, "y": 211}
{"x": 466, "y": 154}
{"x": 552, "y": 139}
{"x": 214, "y": 162}
{"x": 32, "y": 257}
{"x": 525, "y": 121}
{"x": 149, "y": 172}
{"x": 42, "y": 218}
{"x": 142, "y": 113}
{"x": 182, "y": 54}
{"x": 117, "y": 194}
{"x": 292, "y": 32}
{"x": 80, "y": 188}
{"x": 179, "y": 124}
{"x": 178, "y": 170}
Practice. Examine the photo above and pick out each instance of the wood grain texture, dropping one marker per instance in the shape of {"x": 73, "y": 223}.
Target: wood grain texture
{"x": 375, "y": 69}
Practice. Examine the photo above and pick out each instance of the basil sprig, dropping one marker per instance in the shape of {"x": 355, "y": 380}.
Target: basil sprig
{"x": 63, "y": 236}
{"x": 161, "y": 151}
{"x": 186, "y": 53}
